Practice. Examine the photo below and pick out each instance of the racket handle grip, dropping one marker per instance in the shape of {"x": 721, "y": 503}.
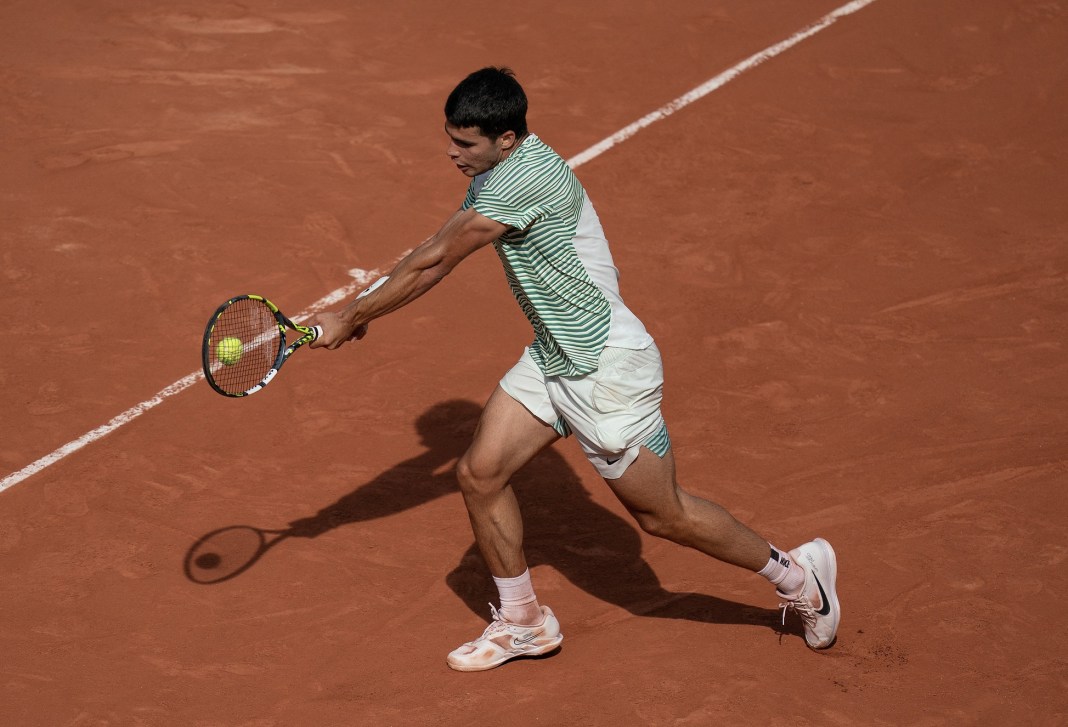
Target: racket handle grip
{"x": 318, "y": 331}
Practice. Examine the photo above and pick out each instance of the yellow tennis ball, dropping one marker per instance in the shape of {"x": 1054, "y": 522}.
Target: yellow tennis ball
{"x": 229, "y": 350}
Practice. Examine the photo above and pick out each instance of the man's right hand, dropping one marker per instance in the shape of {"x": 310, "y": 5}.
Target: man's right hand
{"x": 335, "y": 331}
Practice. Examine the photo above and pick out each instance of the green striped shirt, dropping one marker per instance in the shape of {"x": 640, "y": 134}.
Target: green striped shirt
{"x": 537, "y": 195}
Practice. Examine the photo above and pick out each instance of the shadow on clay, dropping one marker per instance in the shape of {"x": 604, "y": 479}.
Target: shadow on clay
{"x": 593, "y": 548}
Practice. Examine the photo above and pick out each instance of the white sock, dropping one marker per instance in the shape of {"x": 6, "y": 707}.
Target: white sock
{"x": 783, "y": 572}
{"x": 517, "y": 597}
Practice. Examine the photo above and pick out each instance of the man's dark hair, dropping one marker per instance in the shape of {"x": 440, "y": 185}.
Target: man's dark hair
{"x": 490, "y": 99}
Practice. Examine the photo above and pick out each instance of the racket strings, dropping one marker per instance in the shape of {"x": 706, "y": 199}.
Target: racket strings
{"x": 253, "y": 324}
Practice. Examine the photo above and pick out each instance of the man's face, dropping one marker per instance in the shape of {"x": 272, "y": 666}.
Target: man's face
{"x": 473, "y": 153}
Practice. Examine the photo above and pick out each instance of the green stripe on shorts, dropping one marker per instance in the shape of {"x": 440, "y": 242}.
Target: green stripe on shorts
{"x": 562, "y": 428}
{"x": 660, "y": 442}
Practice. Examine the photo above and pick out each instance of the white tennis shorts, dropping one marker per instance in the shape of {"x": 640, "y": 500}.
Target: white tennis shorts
{"x": 613, "y": 412}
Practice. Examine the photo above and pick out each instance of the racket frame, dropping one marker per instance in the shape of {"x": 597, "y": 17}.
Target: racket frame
{"x": 308, "y": 334}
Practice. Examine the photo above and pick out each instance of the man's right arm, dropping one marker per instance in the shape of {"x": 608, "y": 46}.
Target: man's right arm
{"x": 419, "y": 271}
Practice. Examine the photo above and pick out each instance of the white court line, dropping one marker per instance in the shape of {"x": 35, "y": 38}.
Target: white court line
{"x": 715, "y": 83}
{"x": 360, "y": 280}
{"x": 362, "y": 277}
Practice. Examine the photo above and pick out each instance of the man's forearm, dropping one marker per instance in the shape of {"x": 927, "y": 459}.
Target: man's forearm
{"x": 413, "y": 276}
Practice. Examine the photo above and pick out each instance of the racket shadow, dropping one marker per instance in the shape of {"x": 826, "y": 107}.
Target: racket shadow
{"x": 445, "y": 430}
{"x": 228, "y": 552}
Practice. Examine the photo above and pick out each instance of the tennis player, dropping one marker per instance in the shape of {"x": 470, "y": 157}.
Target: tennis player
{"x": 592, "y": 370}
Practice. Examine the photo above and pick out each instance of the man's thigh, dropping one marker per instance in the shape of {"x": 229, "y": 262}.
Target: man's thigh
{"x": 648, "y": 486}
{"x": 508, "y": 436}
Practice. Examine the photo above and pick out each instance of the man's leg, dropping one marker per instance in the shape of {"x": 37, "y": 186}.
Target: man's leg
{"x": 508, "y": 436}
{"x": 805, "y": 578}
{"x": 650, "y": 493}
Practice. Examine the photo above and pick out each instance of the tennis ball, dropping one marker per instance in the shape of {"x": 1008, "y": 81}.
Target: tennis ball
{"x": 229, "y": 350}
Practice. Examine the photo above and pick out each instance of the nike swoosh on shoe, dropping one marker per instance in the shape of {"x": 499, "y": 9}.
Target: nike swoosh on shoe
{"x": 825, "y": 604}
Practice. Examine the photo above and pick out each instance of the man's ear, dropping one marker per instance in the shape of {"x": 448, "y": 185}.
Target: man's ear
{"x": 507, "y": 139}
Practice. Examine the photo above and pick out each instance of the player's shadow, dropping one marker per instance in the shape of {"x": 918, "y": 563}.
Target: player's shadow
{"x": 593, "y": 548}
{"x": 596, "y": 550}
{"x": 445, "y": 430}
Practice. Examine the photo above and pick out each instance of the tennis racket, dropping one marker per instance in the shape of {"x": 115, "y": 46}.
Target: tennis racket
{"x": 246, "y": 343}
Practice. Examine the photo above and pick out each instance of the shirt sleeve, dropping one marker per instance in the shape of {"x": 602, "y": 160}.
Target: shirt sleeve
{"x": 511, "y": 203}
{"x": 469, "y": 198}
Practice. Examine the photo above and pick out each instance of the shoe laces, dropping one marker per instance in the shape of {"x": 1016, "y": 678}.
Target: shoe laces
{"x": 497, "y": 624}
{"x": 801, "y": 607}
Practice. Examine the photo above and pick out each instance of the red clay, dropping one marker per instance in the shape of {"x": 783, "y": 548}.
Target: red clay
{"x": 853, "y": 258}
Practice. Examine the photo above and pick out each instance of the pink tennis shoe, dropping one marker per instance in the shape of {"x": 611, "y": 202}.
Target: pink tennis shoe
{"x": 503, "y": 640}
{"x": 817, "y": 603}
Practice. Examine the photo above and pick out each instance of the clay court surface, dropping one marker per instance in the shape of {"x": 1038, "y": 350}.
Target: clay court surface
{"x": 853, "y": 257}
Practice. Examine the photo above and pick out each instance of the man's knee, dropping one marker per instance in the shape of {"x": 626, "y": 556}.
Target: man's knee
{"x": 465, "y": 474}
{"x": 670, "y": 525}
{"x": 476, "y": 479}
